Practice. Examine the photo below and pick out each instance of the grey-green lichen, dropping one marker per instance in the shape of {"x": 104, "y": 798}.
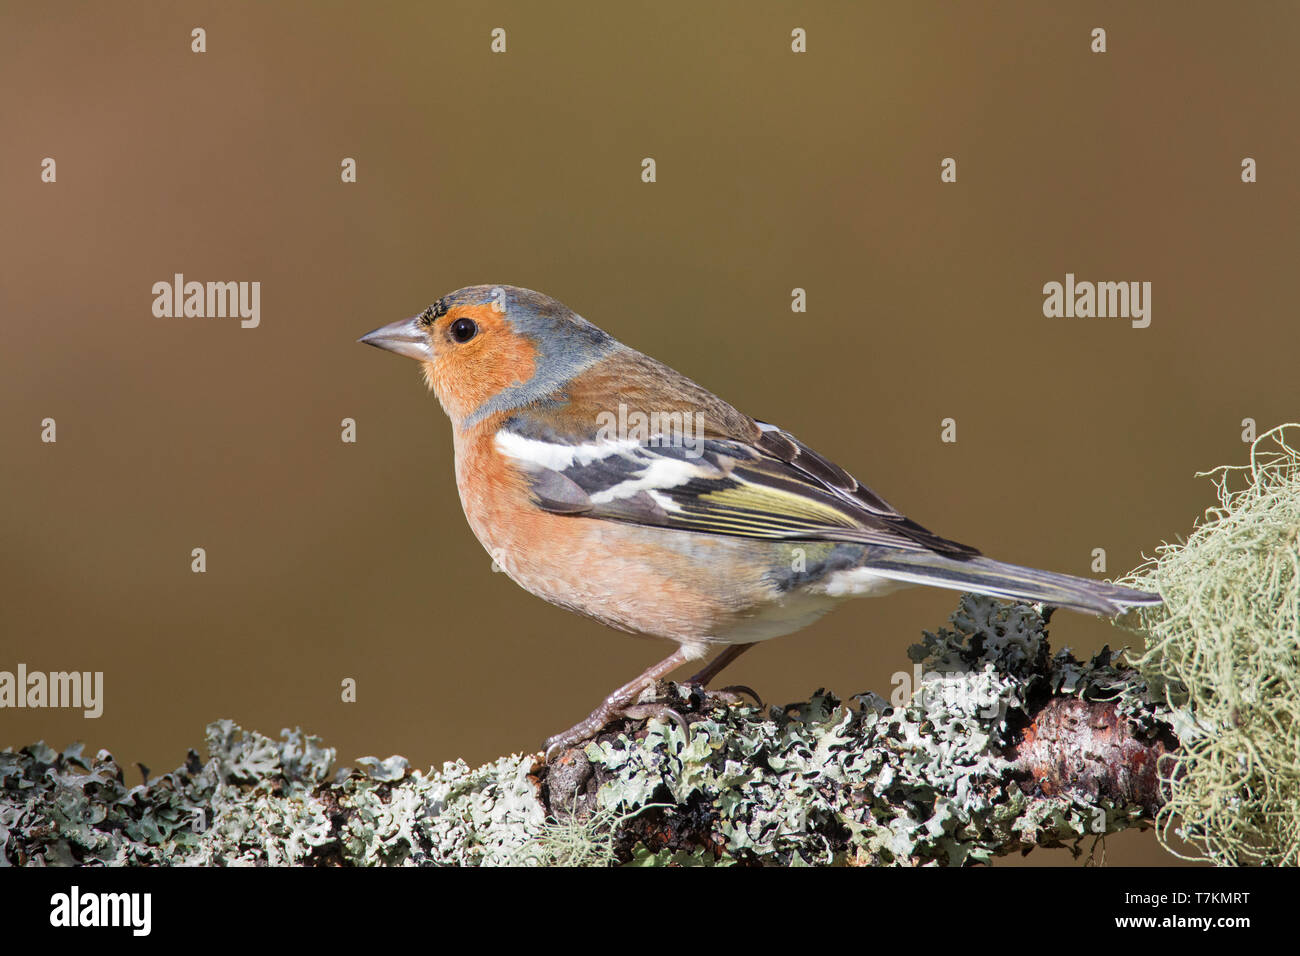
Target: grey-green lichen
{"x": 937, "y": 779}
{"x": 258, "y": 801}
{"x": 821, "y": 782}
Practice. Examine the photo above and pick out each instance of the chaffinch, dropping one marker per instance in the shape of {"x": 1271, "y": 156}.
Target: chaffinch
{"x": 605, "y": 482}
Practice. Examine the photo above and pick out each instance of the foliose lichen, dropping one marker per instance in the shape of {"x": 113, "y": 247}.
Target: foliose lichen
{"x": 931, "y": 779}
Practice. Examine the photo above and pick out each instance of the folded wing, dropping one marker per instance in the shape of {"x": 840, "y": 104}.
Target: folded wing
{"x": 774, "y": 487}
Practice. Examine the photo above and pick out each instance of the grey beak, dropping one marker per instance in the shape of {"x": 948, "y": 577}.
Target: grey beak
{"x": 405, "y": 338}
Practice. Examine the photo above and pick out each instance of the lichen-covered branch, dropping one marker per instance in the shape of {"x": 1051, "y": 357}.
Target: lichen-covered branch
{"x": 1000, "y": 746}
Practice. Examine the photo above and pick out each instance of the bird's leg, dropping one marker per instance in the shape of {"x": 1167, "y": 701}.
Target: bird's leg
{"x": 710, "y": 671}
{"x": 620, "y": 703}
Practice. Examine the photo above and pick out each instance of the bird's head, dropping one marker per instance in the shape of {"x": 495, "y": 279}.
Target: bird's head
{"x": 491, "y": 348}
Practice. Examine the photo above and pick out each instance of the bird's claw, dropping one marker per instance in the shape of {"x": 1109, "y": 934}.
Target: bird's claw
{"x": 662, "y": 711}
{"x": 726, "y": 695}
{"x": 733, "y": 691}
{"x": 606, "y": 714}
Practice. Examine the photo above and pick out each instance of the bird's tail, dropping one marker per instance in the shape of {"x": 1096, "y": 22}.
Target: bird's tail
{"x": 997, "y": 579}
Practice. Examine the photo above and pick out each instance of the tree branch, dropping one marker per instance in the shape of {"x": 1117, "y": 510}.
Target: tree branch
{"x": 992, "y": 745}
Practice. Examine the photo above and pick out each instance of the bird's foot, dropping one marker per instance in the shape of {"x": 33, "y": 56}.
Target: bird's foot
{"x": 624, "y": 702}
{"x": 608, "y": 712}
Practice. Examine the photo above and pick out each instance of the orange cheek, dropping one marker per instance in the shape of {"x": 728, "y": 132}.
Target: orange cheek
{"x": 465, "y": 376}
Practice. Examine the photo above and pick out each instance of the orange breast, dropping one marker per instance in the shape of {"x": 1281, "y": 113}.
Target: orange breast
{"x": 696, "y": 589}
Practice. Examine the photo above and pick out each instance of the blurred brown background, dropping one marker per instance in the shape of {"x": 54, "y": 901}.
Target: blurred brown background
{"x": 775, "y": 170}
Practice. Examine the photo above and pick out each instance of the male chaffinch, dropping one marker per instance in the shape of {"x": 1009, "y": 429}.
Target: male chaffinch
{"x": 605, "y": 482}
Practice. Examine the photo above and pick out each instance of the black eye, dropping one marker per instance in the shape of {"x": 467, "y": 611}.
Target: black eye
{"x": 462, "y": 330}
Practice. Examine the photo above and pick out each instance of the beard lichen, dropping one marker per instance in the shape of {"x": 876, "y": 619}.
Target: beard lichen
{"x": 1224, "y": 648}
